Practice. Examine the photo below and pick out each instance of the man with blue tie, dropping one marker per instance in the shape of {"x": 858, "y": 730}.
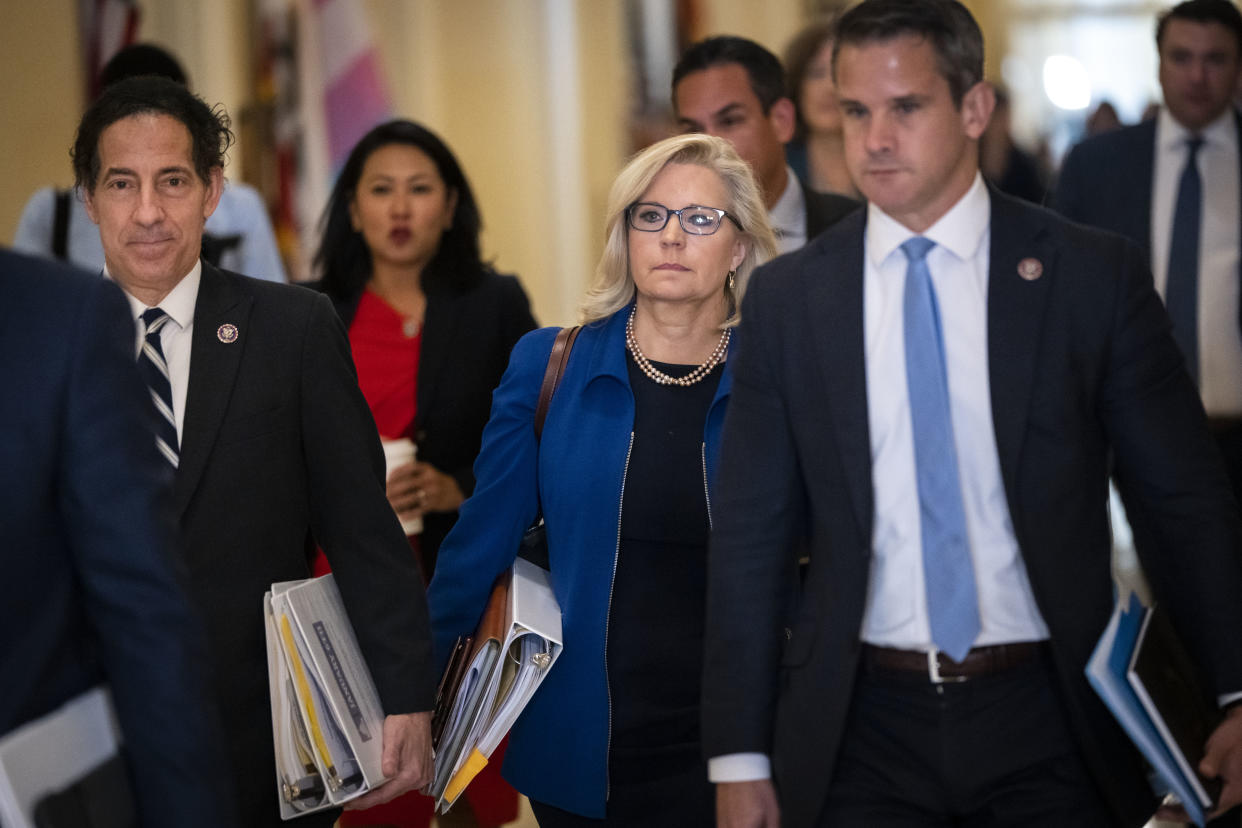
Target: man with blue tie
{"x": 1173, "y": 185}
{"x": 929, "y": 400}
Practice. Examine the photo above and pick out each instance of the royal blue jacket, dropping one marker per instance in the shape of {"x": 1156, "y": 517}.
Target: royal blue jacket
{"x": 558, "y": 749}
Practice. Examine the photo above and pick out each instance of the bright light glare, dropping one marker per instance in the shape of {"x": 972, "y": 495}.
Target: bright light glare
{"x": 1066, "y": 83}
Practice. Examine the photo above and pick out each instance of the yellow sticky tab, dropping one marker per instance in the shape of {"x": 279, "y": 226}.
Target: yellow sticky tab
{"x": 474, "y": 763}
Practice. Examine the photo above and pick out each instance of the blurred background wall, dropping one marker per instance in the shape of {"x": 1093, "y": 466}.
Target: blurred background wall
{"x": 542, "y": 100}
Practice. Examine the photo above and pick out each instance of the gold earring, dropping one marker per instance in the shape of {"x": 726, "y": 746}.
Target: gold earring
{"x": 730, "y": 281}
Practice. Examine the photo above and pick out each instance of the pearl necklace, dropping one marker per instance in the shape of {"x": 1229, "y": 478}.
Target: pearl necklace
{"x": 656, "y": 375}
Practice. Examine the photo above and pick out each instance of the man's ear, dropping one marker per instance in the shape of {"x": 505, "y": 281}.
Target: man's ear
{"x": 784, "y": 119}
{"x": 88, "y": 200}
{"x": 977, "y": 106}
{"x": 215, "y": 187}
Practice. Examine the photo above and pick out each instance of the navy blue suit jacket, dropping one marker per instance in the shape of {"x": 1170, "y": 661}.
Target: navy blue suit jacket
{"x": 90, "y": 591}
{"x": 1106, "y": 182}
{"x": 1082, "y": 367}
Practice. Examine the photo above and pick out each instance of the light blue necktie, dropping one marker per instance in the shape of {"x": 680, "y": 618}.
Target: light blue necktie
{"x": 952, "y": 601}
{"x": 1181, "y": 292}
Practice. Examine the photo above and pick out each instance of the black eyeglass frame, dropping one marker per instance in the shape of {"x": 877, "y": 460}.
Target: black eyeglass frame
{"x": 669, "y": 212}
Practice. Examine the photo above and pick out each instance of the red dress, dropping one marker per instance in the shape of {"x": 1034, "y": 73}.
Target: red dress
{"x": 387, "y": 361}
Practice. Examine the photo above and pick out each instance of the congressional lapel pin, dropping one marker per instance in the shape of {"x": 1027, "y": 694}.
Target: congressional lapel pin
{"x": 1030, "y": 269}
{"x": 227, "y": 333}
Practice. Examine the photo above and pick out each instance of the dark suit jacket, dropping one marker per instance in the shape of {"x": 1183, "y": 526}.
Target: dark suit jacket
{"x": 1106, "y": 182}
{"x": 1081, "y": 364}
{"x": 467, "y": 336}
{"x": 824, "y": 210}
{"x": 279, "y": 451}
{"x": 90, "y": 591}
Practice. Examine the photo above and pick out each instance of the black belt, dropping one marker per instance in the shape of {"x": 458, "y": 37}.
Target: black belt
{"x": 939, "y": 668}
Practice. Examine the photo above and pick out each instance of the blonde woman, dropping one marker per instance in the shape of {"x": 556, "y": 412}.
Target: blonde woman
{"x": 623, "y": 475}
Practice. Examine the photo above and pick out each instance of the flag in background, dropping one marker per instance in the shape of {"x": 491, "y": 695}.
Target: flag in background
{"x": 106, "y": 27}
{"x": 342, "y": 94}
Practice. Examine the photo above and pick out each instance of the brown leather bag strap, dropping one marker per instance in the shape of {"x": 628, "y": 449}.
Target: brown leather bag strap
{"x": 557, "y": 360}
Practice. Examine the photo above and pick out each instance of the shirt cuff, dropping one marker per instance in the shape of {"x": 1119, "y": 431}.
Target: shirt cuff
{"x": 739, "y": 767}
{"x": 1227, "y": 699}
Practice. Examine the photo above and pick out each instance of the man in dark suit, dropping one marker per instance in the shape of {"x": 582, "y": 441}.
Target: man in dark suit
{"x": 1183, "y": 208}
{"x": 91, "y": 592}
{"x": 928, "y": 397}
{"x": 260, "y": 415}
{"x": 734, "y": 88}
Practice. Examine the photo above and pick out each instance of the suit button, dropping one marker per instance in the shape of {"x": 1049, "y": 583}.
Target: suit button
{"x": 788, "y": 634}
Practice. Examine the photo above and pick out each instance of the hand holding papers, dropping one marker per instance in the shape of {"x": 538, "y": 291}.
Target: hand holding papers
{"x": 492, "y": 676}
{"x": 1143, "y": 674}
{"x": 327, "y": 719}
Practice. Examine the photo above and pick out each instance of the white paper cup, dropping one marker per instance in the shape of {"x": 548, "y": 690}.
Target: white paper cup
{"x": 398, "y": 453}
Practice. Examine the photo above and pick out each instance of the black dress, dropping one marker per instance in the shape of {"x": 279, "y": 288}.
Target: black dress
{"x": 656, "y": 772}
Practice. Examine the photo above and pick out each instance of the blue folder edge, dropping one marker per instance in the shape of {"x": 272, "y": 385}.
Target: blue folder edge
{"x": 1106, "y": 671}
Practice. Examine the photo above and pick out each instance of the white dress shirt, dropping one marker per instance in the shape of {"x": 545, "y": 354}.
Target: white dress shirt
{"x": 896, "y": 611}
{"x": 788, "y": 215}
{"x": 1220, "y": 342}
{"x": 175, "y": 336}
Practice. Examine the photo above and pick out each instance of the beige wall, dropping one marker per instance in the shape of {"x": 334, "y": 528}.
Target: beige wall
{"x": 533, "y": 96}
{"x": 40, "y": 101}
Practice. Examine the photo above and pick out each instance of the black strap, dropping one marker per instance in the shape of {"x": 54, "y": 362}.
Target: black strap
{"x": 60, "y": 225}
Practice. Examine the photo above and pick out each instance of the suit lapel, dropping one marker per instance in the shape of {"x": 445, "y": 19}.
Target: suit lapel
{"x": 1016, "y": 306}
{"x": 1139, "y": 206}
{"x": 836, "y": 305}
{"x": 444, "y": 309}
{"x": 213, "y": 369}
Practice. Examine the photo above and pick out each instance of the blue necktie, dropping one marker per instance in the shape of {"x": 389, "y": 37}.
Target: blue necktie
{"x": 154, "y": 370}
{"x": 952, "y": 601}
{"x": 1181, "y": 293}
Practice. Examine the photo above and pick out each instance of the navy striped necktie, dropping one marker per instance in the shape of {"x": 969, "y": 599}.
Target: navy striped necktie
{"x": 154, "y": 370}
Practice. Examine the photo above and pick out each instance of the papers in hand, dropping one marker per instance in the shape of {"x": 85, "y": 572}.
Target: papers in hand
{"x": 1142, "y": 672}
{"x": 493, "y": 675}
{"x": 327, "y": 721}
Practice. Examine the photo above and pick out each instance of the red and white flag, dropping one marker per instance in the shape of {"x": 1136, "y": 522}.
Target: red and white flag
{"x": 107, "y": 26}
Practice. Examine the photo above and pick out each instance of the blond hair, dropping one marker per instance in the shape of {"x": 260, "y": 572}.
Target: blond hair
{"x": 613, "y": 287}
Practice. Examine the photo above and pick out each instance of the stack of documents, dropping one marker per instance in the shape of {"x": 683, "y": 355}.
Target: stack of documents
{"x": 327, "y": 719}
{"x": 1143, "y": 673}
{"x": 492, "y": 676}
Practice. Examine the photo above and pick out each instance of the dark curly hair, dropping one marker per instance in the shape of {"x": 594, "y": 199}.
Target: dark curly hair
{"x": 210, "y": 136}
{"x": 343, "y": 260}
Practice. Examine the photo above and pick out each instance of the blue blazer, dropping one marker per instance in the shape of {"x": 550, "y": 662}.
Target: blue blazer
{"x": 558, "y": 749}
{"x": 91, "y": 590}
{"x": 1106, "y": 182}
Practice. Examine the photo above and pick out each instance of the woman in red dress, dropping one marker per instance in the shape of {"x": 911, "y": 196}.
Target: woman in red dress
{"x": 430, "y": 326}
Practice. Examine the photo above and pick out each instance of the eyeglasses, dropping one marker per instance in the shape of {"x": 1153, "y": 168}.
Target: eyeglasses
{"x": 695, "y": 219}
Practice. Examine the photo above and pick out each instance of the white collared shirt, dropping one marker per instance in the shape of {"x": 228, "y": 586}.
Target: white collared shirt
{"x": 788, "y": 215}
{"x": 175, "y": 336}
{"x": 1220, "y": 341}
{"x": 896, "y": 610}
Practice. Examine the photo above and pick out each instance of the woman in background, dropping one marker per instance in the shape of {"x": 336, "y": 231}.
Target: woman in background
{"x": 817, "y": 152}
{"x": 430, "y": 326}
{"x": 623, "y": 475}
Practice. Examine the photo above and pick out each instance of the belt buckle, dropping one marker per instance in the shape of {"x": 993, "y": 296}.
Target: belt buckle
{"x": 933, "y": 669}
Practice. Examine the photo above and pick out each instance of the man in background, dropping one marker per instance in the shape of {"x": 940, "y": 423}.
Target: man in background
{"x": 92, "y": 592}
{"x": 1173, "y": 185}
{"x": 734, "y": 88}
{"x": 239, "y": 233}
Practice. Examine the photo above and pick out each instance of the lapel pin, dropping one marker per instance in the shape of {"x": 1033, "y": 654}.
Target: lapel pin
{"x": 227, "y": 333}
{"x": 1030, "y": 269}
